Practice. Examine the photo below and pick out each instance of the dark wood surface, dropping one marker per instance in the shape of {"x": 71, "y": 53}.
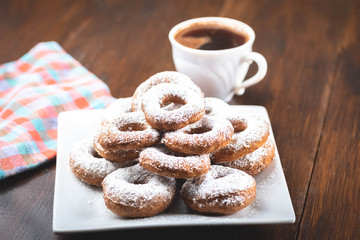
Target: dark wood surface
{"x": 311, "y": 91}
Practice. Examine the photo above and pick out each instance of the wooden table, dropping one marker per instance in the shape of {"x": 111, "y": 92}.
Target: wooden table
{"x": 311, "y": 91}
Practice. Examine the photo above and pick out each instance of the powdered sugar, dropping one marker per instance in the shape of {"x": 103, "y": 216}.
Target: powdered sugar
{"x": 117, "y": 108}
{"x": 255, "y": 162}
{"x": 162, "y": 77}
{"x": 220, "y": 185}
{"x": 116, "y": 155}
{"x": 84, "y": 156}
{"x": 173, "y": 164}
{"x": 268, "y": 181}
{"x": 128, "y": 131}
{"x": 134, "y": 186}
{"x": 255, "y": 131}
{"x": 168, "y": 159}
{"x": 215, "y": 106}
{"x": 215, "y": 133}
{"x": 251, "y": 132}
{"x": 192, "y": 110}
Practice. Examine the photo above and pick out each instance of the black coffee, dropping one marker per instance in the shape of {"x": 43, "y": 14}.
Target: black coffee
{"x": 210, "y": 37}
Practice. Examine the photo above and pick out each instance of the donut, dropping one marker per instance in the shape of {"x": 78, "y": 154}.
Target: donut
{"x": 90, "y": 167}
{"x": 205, "y": 136}
{"x": 162, "y": 77}
{"x": 215, "y": 106}
{"x": 116, "y": 155}
{"x": 115, "y": 109}
{"x": 134, "y": 192}
{"x": 253, "y": 163}
{"x": 162, "y": 161}
{"x": 128, "y": 131}
{"x": 192, "y": 109}
{"x": 250, "y": 133}
{"x": 222, "y": 190}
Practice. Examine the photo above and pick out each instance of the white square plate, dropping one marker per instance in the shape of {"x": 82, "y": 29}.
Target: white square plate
{"x": 78, "y": 207}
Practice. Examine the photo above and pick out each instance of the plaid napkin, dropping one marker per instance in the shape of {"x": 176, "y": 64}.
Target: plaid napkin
{"x": 33, "y": 91}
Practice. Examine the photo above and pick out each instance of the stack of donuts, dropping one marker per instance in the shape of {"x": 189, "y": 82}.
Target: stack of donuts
{"x": 169, "y": 133}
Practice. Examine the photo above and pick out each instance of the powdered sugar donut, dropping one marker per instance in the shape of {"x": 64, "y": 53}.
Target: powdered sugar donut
{"x": 88, "y": 166}
{"x": 215, "y": 106}
{"x": 115, "y": 109}
{"x": 162, "y": 161}
{"x": 205, "y": 136}
{"x": 222, "y": 190}
{"x": 162, "y": 77}
{"x": 116, "y": 155}
{"x": 253, "y": 163}
{"x": 128, "y": 131}
{"x": 135, "y": 192}
{"x": 250, "y": 132}
{"x": 192, "y": 109}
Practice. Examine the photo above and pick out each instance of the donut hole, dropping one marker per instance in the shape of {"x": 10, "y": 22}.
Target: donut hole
{"x": 170, "y": 103}
{"x": 239, "y": 125}
{"x": 132, "y": 127}
{"x": 93, "y": 152}
{"x": 199, "y": 130}
{"x": 138, "y": 180}
{"x": 219, "y": 175}
{"x": 208, "y": 110}
{"x": 170, "y": 106}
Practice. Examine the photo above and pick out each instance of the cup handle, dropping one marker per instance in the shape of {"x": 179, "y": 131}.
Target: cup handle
{"x": 262, "y": 69}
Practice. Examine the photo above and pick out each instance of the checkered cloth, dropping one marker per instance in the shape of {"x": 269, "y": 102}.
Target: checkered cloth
{"x": 33, "y": 91}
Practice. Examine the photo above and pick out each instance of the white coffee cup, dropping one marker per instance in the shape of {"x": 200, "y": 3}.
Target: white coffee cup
{"x": 219, "y": 73}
